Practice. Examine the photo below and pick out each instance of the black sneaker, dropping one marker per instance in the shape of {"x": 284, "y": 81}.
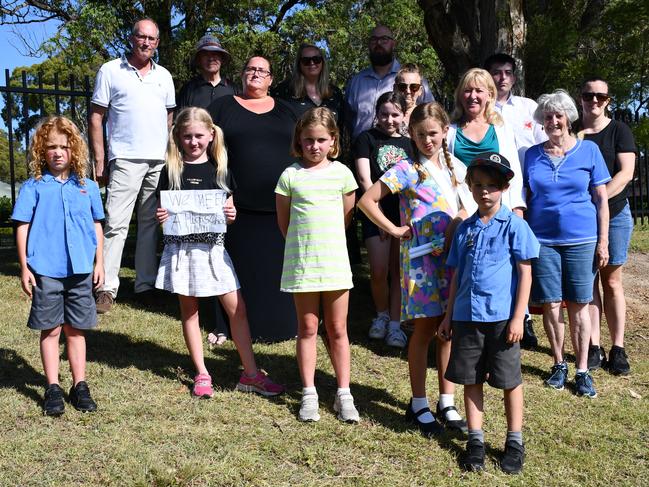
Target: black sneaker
{"x": 454, "y": 425}
{"x": 513, "y": 458}
{"x": 80, "y": 398}
{"x": 473, "y": 458}
{"x": 596, "y": 357}
{"x": 617, "y": 361}
{"x": 53, "y": 405}
{"x": 529, "y": 340}
{"x": 426, "y": 429}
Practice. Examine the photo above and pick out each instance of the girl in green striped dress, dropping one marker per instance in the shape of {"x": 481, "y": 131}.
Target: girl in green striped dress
{"x": 315, "y": 199}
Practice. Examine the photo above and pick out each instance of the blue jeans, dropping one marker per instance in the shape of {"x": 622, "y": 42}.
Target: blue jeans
{"x": 564, "y": 273}
{"x": 620, "y": 228}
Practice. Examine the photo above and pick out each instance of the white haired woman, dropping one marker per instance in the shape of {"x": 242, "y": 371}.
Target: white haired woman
{"x": 565, "y": 179}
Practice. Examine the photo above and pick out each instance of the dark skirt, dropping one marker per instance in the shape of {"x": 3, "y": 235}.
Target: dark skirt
{"x": 256, "y": 248}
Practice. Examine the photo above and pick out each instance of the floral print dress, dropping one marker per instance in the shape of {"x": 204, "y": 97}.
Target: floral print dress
{"x": 425, "y": 280}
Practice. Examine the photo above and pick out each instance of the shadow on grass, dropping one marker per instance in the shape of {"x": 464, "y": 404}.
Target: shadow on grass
{"x": 16, "y": 373}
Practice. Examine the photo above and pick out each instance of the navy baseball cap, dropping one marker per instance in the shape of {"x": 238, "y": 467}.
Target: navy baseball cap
{"x": 494, "y": 160}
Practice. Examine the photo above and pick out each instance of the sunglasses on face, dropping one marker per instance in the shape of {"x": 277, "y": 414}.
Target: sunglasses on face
{"x": 412, "y": 87}
{"x": 306, "y": 60}
{"x": 601, "y": 97}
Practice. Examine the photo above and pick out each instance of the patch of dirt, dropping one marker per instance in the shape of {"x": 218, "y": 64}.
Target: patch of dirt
{"x": 636, "y": 290}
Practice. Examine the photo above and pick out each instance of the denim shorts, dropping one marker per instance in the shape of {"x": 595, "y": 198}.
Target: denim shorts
{"x": 620, "y": 228}
{"x": 66, "y": 300}
{"x": 564, "y": 273}
{"x": 480, "y": 353}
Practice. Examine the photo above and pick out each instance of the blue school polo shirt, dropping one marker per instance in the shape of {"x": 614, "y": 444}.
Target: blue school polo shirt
{"x": 559, "y": 205}
{"x": 62, "y": 239}
{"x": 485, "y": 257}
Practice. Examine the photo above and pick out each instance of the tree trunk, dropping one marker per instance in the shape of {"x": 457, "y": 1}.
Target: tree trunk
{"x": 465, "y": 32}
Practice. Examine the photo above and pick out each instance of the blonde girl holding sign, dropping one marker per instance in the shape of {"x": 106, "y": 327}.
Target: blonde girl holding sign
{"x": 197, "y": 265}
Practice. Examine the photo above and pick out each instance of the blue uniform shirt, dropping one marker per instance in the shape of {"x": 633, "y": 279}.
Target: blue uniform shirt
{"x": 62, "y": 239}
{"x": 485, "y": 257}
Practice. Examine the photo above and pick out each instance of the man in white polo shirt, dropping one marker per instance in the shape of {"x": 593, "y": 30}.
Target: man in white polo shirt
{"x": 518, "y": 112}
{"x": 137, "y": 97}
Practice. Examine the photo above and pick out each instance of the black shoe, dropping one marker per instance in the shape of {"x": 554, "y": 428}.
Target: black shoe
{"x": 473, "y": 458}
{"x": 426, "y": 429}
{"x": 457, "y": 425}
{"x": 53, "y": 405}
{"x": 80, "y": 398}
{"x": 596, "y": 357}
{"x": 513, "y": 458}
{"x": 617, "y": 361}
{"x": 529, "y": 340}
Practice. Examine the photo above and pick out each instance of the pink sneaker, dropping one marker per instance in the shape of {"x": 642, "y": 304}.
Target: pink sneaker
{"x": 203, "y": 386}
{"x": 260, "y": 383}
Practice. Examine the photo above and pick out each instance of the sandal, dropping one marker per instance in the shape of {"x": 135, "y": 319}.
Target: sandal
{"x": 216, "y": 339}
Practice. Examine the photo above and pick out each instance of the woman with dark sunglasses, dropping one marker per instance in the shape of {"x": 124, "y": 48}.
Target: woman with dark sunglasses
{"x": 309, "y": 85}
{"x": 615, "y": 141}
{"x": 408, "y": 83}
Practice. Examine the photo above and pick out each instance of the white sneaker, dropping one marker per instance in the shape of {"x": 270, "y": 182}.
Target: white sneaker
{"x": 379, "y": 327}
{"x": 396, "y": 338}
{"x": 344, "y": 406}
{"x": 309, "y": 408}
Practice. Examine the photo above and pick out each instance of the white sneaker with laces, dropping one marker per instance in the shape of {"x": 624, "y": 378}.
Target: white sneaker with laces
{"x": 344, "y": 406}
{"x": 379, "y": 327}
{"x": 396, "y": 338}
{"x": 309, "y": 408}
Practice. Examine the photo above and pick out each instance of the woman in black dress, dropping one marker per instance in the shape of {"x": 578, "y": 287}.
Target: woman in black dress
{"x": 258, "y": 130}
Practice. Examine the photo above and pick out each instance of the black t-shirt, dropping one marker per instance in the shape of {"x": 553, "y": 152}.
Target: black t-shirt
{"x": 616, "y": 137}
{"x": 196, "y": 176}
{"x": 335, "y": 102}
{"x": 383, "y": 152}
{"x": 200, "y": 93}
{"x": 258, "y": 149}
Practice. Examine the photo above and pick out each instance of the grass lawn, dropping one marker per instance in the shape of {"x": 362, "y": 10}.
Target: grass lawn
{"x": 149, "y": 431}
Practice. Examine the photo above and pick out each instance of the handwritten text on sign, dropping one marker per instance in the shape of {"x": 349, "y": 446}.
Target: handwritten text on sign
{"x": 198, "y": 211}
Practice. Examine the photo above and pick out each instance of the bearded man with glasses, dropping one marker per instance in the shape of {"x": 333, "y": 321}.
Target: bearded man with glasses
{"x": 364, "y": 89}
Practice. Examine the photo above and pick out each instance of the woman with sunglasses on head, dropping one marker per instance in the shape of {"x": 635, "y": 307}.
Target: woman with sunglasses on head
{"x": 258, "y": 131}
{"x": 615, "y": 141}
{"x": 309, "y": 85}
{"x": 408, "y": 82}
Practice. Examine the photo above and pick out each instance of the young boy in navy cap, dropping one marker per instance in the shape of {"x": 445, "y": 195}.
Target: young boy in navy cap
{"x": 491, "y": 254}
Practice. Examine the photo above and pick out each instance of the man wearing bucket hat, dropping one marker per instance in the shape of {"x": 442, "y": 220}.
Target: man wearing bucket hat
{"x": 208, "y": 85}
{"x": 491, "y": 253}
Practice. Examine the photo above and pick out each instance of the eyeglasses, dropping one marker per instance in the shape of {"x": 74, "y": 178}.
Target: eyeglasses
{"x": 381, "y": 39}
{"x": 142, "y": 38}
{"x": 261, "y": 72}
{"x": 306, "y": 60}
{"x": 412, "y": 87}
{"x": 601, "y": 97}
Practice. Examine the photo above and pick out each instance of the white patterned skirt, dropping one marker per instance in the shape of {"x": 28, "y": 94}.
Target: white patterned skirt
{"x": 196, "y": 269}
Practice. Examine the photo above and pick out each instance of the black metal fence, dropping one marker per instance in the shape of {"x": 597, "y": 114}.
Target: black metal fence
{"x": 26, "y": 102}
{"x": 33, "y": 98}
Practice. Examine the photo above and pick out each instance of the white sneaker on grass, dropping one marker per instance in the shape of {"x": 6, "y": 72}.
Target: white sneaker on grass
{"x": 379, "y": 327}
{"x": 396, "y": 337}
{"x": 344, "y": 406}
{"x": 309, "y": 408}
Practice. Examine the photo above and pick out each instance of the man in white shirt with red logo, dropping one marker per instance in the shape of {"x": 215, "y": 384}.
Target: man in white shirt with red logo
{"x": 137, "y": 98}
{"x": 517, "y": 111}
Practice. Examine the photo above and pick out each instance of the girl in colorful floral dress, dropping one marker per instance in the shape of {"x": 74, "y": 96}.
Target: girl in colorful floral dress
{"x": 433, "y": 200}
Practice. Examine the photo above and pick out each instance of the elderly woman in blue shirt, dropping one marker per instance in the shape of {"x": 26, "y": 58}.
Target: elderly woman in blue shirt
{"x": 565, "y": 181}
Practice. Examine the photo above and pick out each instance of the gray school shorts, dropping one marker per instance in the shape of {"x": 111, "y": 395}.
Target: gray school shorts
{"x": 478, "y": 349}
{"x": 58, "y": 300}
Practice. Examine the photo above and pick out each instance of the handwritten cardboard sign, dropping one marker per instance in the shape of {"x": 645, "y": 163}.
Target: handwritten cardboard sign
{"x": 198, "y": 211}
